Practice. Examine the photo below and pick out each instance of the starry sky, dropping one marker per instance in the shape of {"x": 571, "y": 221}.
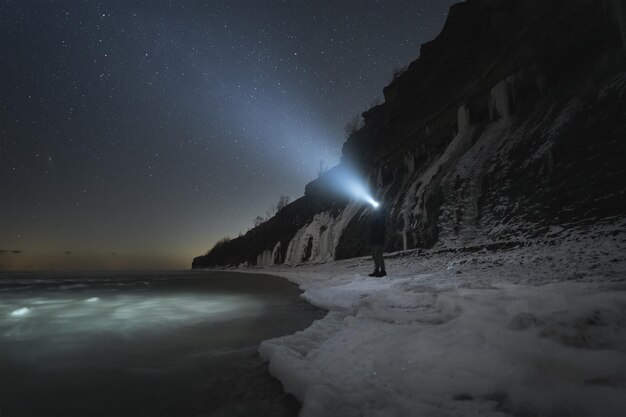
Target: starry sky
{"x": 135, "y": 134}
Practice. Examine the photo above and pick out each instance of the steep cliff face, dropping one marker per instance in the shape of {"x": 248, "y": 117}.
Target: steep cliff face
{"x": 266, "y": 244}
{"x": 512, "y": 123}
{"x": 512, "y": 120}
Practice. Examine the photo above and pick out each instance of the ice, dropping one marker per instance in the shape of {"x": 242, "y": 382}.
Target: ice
{"x": 512, "y": 346}
{"x": 318, "y": 240}
{"x": 413, "y": 208}
{"x": 269, "y": 257}
{"x": 409, "y": 163}
{"x": 500, "y": 100}
{"x": 264, "y": 258}
{"x": 618, "y": 9}
{"x": 538, "y": 329}
{"x": 463, "y": 118}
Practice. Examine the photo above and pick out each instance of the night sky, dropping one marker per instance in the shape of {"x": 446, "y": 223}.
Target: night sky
{"x": 137, "y": 134}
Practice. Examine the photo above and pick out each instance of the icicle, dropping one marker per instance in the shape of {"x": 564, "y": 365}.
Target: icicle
{"x": 320, "y": 237}
{"x": 409, "y": 163}
{"x": 500, "y": 101}
{"x": 463, "y": 118}
{"x": 542, "y": 84}
{"x": 619, "y": 8}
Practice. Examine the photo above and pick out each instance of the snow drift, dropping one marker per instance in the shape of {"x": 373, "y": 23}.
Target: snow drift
{"x": 464, "y": 334}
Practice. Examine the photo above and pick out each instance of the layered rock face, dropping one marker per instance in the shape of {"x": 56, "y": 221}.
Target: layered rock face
{"x": 265, "y": 244}
{"x": 512, "y": 123}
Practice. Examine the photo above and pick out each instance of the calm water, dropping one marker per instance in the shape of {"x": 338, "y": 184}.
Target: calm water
{"x": 144, "y": 344}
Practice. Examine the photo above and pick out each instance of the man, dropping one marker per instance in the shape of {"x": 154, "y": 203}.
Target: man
{"x": 377, "y": 239}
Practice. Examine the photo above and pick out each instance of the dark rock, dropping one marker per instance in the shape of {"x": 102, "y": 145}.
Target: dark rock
{"x": 280, "y": 228}
{"x": 533, "y": 95}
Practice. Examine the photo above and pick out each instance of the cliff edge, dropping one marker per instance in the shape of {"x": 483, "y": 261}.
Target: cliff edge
{"x": 509, "y": 128}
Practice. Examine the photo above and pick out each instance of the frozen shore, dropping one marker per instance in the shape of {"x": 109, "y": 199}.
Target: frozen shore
{"x": 534, "y": 328}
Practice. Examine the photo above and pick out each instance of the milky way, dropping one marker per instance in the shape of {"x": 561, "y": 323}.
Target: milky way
{"x": 136, "y": 134}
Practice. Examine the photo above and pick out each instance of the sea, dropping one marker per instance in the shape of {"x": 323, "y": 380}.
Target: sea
{"x": 165, "y": 343}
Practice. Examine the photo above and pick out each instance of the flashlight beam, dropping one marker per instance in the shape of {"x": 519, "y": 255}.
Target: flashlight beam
{"x": 373, "y": 202}
{"x": 359, "y": 192}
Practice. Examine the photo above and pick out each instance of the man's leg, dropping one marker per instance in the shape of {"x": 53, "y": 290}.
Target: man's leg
{"x": 380, "y": 262}
{"x": 376, "y": 265}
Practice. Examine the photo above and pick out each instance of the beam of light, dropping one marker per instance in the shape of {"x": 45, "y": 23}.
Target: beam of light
{"x": 358, "y": 191}
{"x": 373, "y": 202}
{"x": 288, "y": 127}
{"x": 344, "y": 180}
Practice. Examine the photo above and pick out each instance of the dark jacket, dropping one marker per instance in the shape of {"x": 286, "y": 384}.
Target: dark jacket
{"x": 377, "y": 227}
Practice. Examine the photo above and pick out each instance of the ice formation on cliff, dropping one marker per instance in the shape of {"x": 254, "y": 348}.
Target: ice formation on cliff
{"x": 269, "y": 257}
{"x": 318, "y": 240}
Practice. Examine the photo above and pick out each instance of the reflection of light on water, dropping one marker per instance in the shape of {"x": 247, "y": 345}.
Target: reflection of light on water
{"x": 120, "y": 312}
{"x": 149, "y": 349}
{"x": 20, "y": 312}
{"x": 54, "y": 301}
{"x": 174, "y": 308}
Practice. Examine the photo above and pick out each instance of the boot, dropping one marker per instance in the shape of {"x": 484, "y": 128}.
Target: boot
{"x": 382, "y": 273}
{"x": 375, "y": 273}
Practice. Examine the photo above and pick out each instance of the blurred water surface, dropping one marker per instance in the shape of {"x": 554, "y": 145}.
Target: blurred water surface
{"x": 143, "y": 344}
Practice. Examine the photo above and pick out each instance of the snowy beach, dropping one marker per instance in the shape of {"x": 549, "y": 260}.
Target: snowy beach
{"x": 535, "y": 327}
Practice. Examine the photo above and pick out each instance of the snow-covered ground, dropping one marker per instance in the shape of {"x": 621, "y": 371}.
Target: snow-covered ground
{"x": 533, "y": 329}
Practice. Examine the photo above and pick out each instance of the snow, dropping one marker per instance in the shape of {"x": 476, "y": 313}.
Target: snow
{"x": 534, "y": 329}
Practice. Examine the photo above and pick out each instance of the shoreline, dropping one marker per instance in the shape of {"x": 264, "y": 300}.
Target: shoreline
{"x": 183, "y": 345}
{"x": 452, "y": 331}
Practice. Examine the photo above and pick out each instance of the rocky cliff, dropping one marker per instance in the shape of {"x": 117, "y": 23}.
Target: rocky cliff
{"x": 510, "y": 126}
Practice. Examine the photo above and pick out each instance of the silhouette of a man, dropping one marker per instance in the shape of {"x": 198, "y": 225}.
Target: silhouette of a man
{"x": 377, "y": 239}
